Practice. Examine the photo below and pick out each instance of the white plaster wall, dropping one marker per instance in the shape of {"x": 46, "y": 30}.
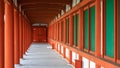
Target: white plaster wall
{"x": 92, "y": 64}
{"x": 74, "y": 56}
{"x": 59, "y": 47}
{"x": 62, "y": 49}
{"x": 67, "y": 52}
{"x": 85, "y": 62}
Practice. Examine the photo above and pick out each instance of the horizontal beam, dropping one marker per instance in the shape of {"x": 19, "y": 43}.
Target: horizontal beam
{"x": 43, "y": 11}
{"x": 31, "y": 2}
{"x": 41, "y": 21}
{"x": 38, "y": 6}
{"x": 33, "y": 15}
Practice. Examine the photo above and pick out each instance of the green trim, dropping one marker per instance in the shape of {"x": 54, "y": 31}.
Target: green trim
{"x": 76, "y": 28}
{"x": 110, "y": 28}
{"x": 92, "y": 28}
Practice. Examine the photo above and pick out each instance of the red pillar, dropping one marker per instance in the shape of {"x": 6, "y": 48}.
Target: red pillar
{"x": 23, "y": 24}
{"x": 98, "y": 30}
{"x": 71, "y": 36}
{"x": 60, "y": 32}
{"x": 77, "y": 64}
{"x": 64, "y": 36}
{"x": 9, "y": 36}
{"x": 71, "y": 31}
{"x": 81, "y": 39}
{"x": 81, "y": 29}
{"x": 26, "y": 36}
{"x": 64, "y": 52}
{"x": 57, "y": 32}
{"x": 31, "y": 31}
{"x": 16, "y": 37}
{"x": 21, "y": 35}
{"x": 70, "y": 57}
{"x": 1, "y": 33}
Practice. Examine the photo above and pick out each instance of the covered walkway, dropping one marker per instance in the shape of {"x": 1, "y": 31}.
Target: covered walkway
{"x": 86, "y": 33}
{"x": 42, "y": 56}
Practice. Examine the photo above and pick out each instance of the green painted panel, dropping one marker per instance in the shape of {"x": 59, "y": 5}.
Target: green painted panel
{"x": 67, "y": 30}
{"x": 86, "y": 29}
{"x": 92, "y": 28}
{"x": 75, "y": 30}
{"x": 110, "y": 28}
{"x": 119, "y": 28}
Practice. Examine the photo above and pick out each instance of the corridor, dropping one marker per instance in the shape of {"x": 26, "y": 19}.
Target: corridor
{"x": 59, "y": 33}
{"x": 40, "y": 55}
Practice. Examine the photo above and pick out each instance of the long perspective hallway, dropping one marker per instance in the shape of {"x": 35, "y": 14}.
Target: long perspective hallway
{"x": 40, "y": 55}
{"x": 59, "y": 33}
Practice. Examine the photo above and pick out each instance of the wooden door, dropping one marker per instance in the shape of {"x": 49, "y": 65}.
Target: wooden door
{"x": 39, "y": 34}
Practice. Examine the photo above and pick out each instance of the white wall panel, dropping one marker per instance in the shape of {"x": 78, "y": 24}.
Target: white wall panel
{"x": 92, "y": 64}
{"x": 85, "y": 62}
{"x": 59, "y": 47}
{"x": 67, "y": 52}
{"x": 62, "y": 49}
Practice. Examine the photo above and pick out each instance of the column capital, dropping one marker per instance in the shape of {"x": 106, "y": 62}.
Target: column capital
{"x": 8, "y": 1}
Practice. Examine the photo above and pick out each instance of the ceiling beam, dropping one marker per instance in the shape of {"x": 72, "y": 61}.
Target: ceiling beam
{"x": 43, "y": 11}
{"x": 31, "y": 2}
{"x": 41, "y": 14}
{"x": 41, "y": 21}
{"x": 41, "y": 8}
{"x": 38, "y": 6}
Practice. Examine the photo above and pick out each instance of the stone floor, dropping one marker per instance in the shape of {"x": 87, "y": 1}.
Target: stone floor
{"x": 42, "y": 56}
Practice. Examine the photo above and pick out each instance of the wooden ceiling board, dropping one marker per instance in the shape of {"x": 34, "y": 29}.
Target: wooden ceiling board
{"x": 42, "y": 11}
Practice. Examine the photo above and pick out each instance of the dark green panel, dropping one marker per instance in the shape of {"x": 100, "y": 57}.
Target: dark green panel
{"x": 86, "y": 29}
{"x": 67, "y": 30}
{"x": 75, "y": 30}
{"x": 110, "y": 28}
{"x": 92, "y": 28}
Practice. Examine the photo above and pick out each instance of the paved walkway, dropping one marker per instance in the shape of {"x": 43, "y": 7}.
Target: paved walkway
{"x": 42, "y": 56}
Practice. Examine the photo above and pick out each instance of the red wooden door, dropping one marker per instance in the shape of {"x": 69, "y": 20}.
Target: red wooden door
{"x": 39, "y": 34}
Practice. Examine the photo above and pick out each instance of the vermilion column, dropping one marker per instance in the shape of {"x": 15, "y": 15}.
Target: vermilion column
{"x": 23, "y": 24}
{"x": 70, "y": 57}
{"x": 31, "y": 34}
{"x": 81, "y": 29}
{"x": 71, "y": 30}
{"x": 21, "y": 35}
{"x": 77, "y": 64}
{"x": 16, "y": 37}
{"x": 26, "y": 34}
{"x": 98, "y": 30}
{"x": 55, "y": 31}
{"x": 64, "y": 35}
{"x": 9, "y": 36}
{"x": 70, "y": 36}
{"x": 59, "y": 31}
{"x": 1, "y": 33}
{"x": 81, "y": 36}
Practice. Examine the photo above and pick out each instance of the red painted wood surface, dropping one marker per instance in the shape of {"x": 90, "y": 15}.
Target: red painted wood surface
{"x": 1, "y": 33}
{"x": 40, "y": 34}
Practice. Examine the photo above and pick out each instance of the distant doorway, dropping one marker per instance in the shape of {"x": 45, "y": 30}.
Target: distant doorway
{"x": 40, "y": 34}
